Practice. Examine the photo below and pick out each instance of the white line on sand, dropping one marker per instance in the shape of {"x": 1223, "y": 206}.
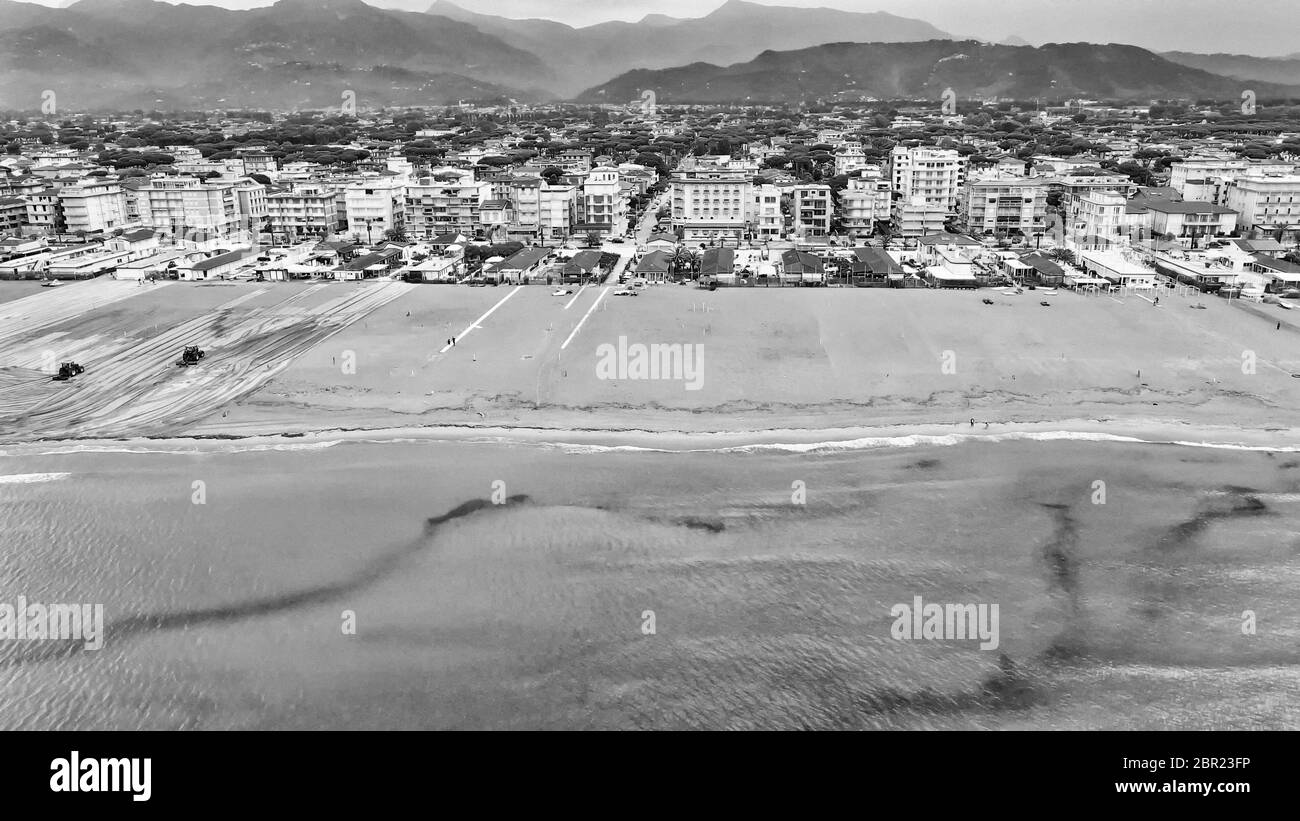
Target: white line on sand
{"x": 578, "y": 327}
{"x": 476, "y": 322}
{"x": 575, "y": 296}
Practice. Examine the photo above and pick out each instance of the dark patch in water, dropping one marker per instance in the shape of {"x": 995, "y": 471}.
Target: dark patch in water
{"x": 1060, "y": 554}
{"x": 1240, "y": 502}
{"x": 924, "y": 464}
{"x": 131, "y": 626}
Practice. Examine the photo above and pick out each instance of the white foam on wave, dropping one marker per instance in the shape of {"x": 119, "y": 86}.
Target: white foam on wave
{"x": 920, "y": 440}
{"x": 31, "y": 478}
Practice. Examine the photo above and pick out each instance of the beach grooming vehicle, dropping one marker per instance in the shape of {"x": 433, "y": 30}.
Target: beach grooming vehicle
{"x": 68, "y": 370}
{"x": 190, "y": 356}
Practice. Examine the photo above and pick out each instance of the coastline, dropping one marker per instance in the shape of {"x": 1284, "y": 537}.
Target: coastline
{"x": 1155, "y": 431}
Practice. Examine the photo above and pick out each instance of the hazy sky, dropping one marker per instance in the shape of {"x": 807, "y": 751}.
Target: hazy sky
{"x": 1261, "y": 27}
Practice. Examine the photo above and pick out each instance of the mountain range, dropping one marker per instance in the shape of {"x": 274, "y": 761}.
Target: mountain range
{"x": 307, "y": 53}
{"x": 855, "y": 71}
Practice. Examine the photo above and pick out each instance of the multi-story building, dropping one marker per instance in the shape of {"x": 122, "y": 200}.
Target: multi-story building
{"x": 1200, "y": 169}
{"x": 917, "y": 217}
{"x": 1100, "y": 222}
{"x": 1192, "y": 221}
{"x": 866, "y": 200}
{"x": 93, "y": 205}
{"x": 449, "y": 201}
{"x": 812, "y": 210}
{"x": 1000, "y": 206}
{"x": 13, "y": 215}
{"x": 189, "y": 209}
{"x": 849, "y": 158}
{"x": 308, "y": 210}
{"x": 44, "y": 211}
{"x": 374, "y": 205}
{"x": 556, "y": 211}
{"x": 764, "y": 219}
{"x": 1266, "y": 203}
{"x": 933, "y": 174}
{"x": 602, "y": 205}
{"x": 710, "y": 197}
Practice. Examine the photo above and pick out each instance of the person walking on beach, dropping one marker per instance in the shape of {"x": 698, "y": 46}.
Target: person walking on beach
{"x": 972, "y": 421}
{"x": 1279, "y": 326}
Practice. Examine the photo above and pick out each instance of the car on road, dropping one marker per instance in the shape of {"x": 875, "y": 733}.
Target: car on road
{"x": 561, "y": 292}
{"x": 625, "y": 292}
{"x": 617, "y": 239}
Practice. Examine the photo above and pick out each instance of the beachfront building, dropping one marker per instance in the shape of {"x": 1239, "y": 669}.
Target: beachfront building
{"x": 710, "y": 197}
{"x": 92, "y": 205}
{"x": 812, "y": 210}
{"x": 1269, "y": 204}
{"x": 1194, "y": 222}
{"x": 44, "y": 211}
{"x": 935, "y": 175}
{"x": 449, "y": 200}
{"x": 916, "y": 217}
{"x": 1119, "y": 267}
{"x": 374, "y": 205}
{"x": 192, "y": 211}
{"x": 602, "y": 205}
{"x": 866, "y": 200}
{"x": 1001, "y": 206}
{"x": 1099, "y": 222}
{"x": 764, "y": 220}
{"x": 306, "y": 211}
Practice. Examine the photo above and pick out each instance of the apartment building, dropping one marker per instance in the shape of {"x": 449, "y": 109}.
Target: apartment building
{"x": 602, "y": 205}
{"x": 1266, "y": 203}
{"x": 1100, "y": 222}
{"x": 764, "y": 217}
{"x": 1002, "y": 205}
{"x": 710, "y": 196}
{"x": 306, "y": 211}
{"x": 932, "y": 174}
{"x": 189, "y": 209}
{"x": 13, "y": 214}
{"x": 1191, "y": 221}
{"x": 917, "y": 217}
{"x": 1200, "y": 169}
{"x": 92, "y": 205}
{"x": 449, "y": 201}
{"x": 812, "y": 210}
{"x": 849, "y": 158}
{"x": 44, "y": 211}
{"x": 866, "y": 200}
{"x": 373, "y": 206}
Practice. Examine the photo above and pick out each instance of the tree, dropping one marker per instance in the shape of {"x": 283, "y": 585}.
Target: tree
{"x": 593, "y": 239}
{"x": 14, "y": 147}
{"x": 552, "y": 174}
{"x": 396, "y": 234}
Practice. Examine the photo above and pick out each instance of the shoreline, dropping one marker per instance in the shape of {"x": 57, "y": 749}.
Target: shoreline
{"x": 772, "y": 439}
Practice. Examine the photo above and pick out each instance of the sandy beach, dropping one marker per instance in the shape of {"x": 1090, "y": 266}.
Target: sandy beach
{"x": 306, "y": 358}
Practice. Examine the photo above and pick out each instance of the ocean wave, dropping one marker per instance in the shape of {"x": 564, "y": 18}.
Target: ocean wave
{"x": 31, "y": 478}
{"x": 920, "y": 440}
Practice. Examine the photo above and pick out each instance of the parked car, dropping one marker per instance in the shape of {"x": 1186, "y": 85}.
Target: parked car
{"x": 625, "y": 292}
{"x": 561, "y": 292}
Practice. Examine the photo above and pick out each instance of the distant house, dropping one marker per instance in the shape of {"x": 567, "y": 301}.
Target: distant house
{"x": 141, "y": 243}
{"x": 718, "y": 265}
{"x": 802, "y": 268}
{"x": 1044, "y": 270}
{"x": 217, "y": 267}
{"x": 584, "y": 266}
{"x": 519, "y": 267}
{"x": 873, "y": 267}
{"x": 371, "y": 265}
{"x": 654, "y": 266}
{"x": 661, "y": 242}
